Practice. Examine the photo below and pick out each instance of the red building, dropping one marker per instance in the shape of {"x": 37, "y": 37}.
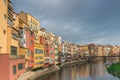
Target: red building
{"x": 30, "y": 46}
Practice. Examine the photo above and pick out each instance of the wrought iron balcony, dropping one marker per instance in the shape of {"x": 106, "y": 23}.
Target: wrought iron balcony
{"x": 16, "y": 57}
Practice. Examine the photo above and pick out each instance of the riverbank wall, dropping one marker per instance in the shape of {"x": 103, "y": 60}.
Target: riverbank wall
{"x": 33, "y": 75}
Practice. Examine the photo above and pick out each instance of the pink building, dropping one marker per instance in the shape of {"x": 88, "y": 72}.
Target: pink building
{"x": 12, "y": 66}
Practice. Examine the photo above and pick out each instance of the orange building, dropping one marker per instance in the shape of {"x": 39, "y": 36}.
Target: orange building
{"x": 12, "y": 62}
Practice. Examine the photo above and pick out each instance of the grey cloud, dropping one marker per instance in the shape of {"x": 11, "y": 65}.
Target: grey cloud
{"x": 80, "y": 21}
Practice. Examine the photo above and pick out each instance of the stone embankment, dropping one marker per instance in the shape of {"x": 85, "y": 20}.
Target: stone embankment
{"x": 32, "y": 75}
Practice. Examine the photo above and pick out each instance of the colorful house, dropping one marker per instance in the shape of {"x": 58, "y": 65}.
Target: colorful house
{"x": 12, "y": 62}
{"x": 33, "y": 27}
{"x": 51, "y": 38}
{"x": 44, "y": 39}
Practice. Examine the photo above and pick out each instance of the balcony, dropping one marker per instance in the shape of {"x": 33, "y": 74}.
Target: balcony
{"x": 47, "y": 60}
{"x": 10, "y": 11}
{"x": 16, "y": 57}
{"x": 10, "y": 22}
{"x": 14, "y": 36}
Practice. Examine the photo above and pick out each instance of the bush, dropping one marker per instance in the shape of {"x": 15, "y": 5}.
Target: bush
{"x": 114, "y": 69}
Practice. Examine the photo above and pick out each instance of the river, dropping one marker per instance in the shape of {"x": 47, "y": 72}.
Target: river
{"x": 87, "y": 71}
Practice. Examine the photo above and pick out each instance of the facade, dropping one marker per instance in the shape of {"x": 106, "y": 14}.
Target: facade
{"x": 84, "y": 51}
{"x": 36, "y": 45}
{"x": 24, "y": 46}
{"x": 62, "y": 51}
{"x": 92, "y": 50}
{"x": 39, "y": 56}
{"x": 106, "y": 50}
{"x": 44, "y": 37}
{"x": 30, "y": 47}
{"x": 3, "y": 28}
{"x": 67, "y": 50}
{"x": 23, "y": 50}
{"x": 72, "y": 50}
{"x": 12, "y": 62}
{"x": 114, "y": 51}
{"x": 51, "y": 38}
{"x": 56, "y": 46}
{"x": 99, "y": 50}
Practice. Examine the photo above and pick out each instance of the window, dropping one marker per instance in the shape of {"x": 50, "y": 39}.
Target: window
{"x": 20, "y": 66}
{"x": 51, "y": 52}
{"x": 5, "y": 2}
{"x": 38, "y": 51}
{"x": 41, "y": 51}
{"x": 39, "y": 63}
{"x": 14, "y": 36}
{"x": 0, "y": 49}
{"x": 38, "y": 58}
{"x": 14, "y": 69}
{"x": 13, "y": 50}
{"x": 10, "y": 22}
{"x": 31, "y": 33}
{"x": 50, "y": 46}
{"x": 31, "y": 43}
{"x": 4, "y": 16}
{"x": 28, "y": 53}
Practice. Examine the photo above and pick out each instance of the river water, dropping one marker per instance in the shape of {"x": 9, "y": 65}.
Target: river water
{"x": 87, "y": 71}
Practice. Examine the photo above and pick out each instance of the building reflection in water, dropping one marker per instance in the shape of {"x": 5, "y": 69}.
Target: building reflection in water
{"x": 88, "y": 71}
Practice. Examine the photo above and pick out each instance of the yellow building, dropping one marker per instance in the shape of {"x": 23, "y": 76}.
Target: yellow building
{"x": 32, "y": 22}
{"x": 84, "y": 51}
{"x": 99, "y": 51}
{"x": 39, "y": 55}
{"x": 3, "y": 27}
{"x": 13, "y": 38}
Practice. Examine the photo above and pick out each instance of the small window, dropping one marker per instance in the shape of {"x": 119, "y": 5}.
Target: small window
{"x": 20, "y": 66}
{"x": 0, "y": 49}
{"x": 50, "y": 46}
{"x": 38, "y": 51}
{"x": 5, "y": 2}
{"x": 31, "y": 33}
{"x": 13, "y": 50}
{"x": 14, "y": 69}
{"x": 31, "y": 42}
{"x": 4, "y": 16}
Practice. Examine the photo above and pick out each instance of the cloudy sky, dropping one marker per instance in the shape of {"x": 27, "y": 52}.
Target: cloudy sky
{"x": 79, "y": 21}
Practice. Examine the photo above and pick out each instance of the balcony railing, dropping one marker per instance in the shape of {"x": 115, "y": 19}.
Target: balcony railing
{"x": 10, "y": 22}
{"x": 47, "y": 60}
{"x": 16, "y": 57}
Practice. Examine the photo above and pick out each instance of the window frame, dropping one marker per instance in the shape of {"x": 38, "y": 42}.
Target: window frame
{"x": 14, "y": 69}
{"x": 20, "y": 66}
{"x": 13, "y": 48}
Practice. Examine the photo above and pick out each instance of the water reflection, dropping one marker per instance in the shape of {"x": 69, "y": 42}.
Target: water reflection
{"x": 88, "y": 71}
